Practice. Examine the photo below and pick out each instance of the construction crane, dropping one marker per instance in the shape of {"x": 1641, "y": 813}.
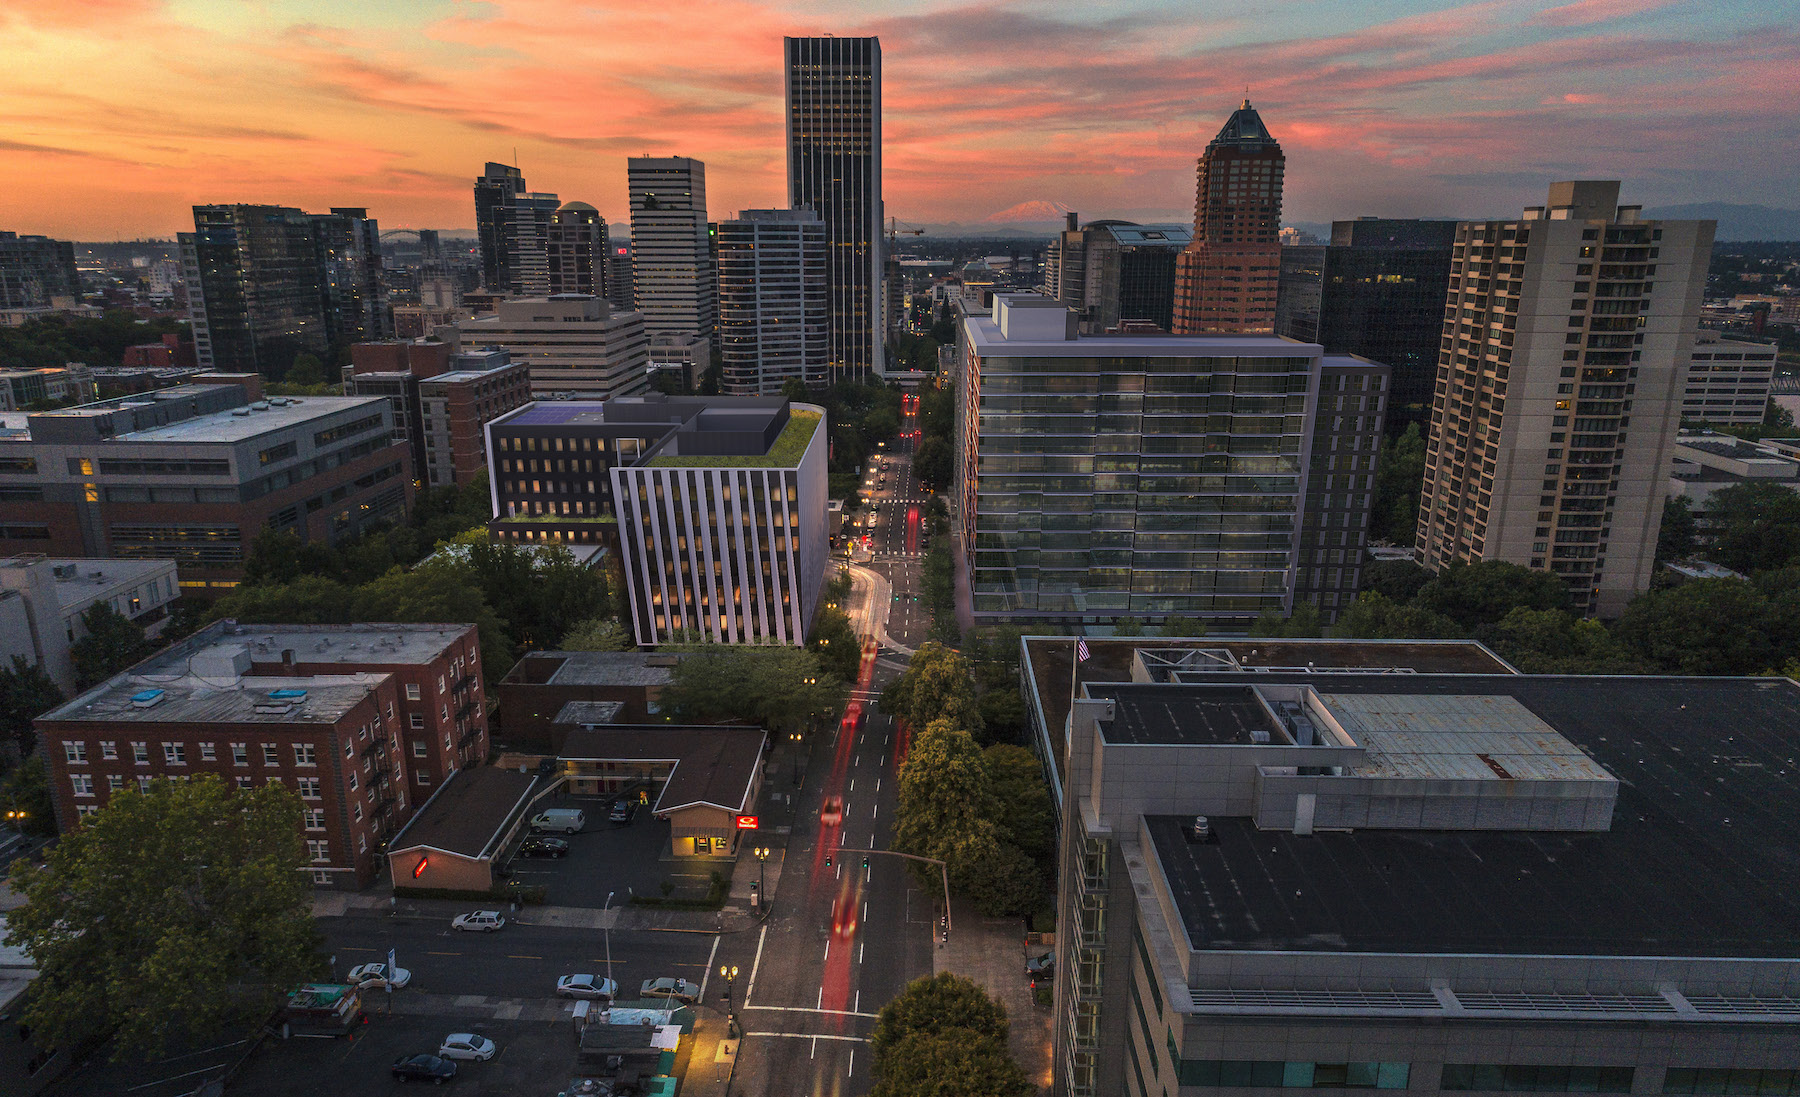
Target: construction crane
{"x": 894, "y": 230}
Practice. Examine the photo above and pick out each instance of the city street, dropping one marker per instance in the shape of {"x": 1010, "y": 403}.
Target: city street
{"x": 898, "y": 537}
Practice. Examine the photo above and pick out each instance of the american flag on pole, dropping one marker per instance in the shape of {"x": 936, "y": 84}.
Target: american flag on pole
{"x": 1081, "y": 649}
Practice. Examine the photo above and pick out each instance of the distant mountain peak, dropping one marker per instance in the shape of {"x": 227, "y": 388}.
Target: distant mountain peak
{"x": 1035, "y": 210}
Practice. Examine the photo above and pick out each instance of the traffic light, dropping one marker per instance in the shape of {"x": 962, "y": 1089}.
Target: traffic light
{"x": 865, "y": 862}
{"x": 828, "y": 860}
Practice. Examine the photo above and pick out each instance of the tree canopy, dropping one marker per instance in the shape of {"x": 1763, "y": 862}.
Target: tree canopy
{"x": 113, "y": 642}
{"x": 936, "y": 685}
{"x": 1480, "y": 594}
{"x": 944, "y": 1037}
{"x": 170, "y": 915}
{"x": 1755, "y": 526}
{"x": 26, "y": 693}
{"x": 773, "y": 686}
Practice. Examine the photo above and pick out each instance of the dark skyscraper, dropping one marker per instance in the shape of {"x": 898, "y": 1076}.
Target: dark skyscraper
{"x": 834, "y": 168}
{"x": 512, "y": 225}
{"x": 675, "y": 282}
{"x": 1116, "y": 273}
{"x": 1226, "y": 279}
{"x": 1377, "y": 290}
{"x": 576, "y": 250}
{"x": 35, "y": 270}
{"x": 268, "y": 282}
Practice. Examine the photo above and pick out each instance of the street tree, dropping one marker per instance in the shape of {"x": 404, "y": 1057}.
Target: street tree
{"x": 945, "y": 801}
{"x": 1176, "y": 626}
{"x": 113, "y": 642}
{"x": 774, "y": 686}
{"x": 936, "y": 685}
{"x": 1376, "y": 617}
{"x": 1555, "y": 641}
{"x": 1704, "y": 626}
{"x": 27, "y": 790}
{"x": 835, "y": 642}
{"x": 597, "y": 634}
{"x": 1399, "y": 479}
{"x": 1679, "y": 534}
{"x": 1021, "y": 800}
{"x": 26, "y": 693}
{"x": 171, "y": 915}
{"x": 933, "y": 463}
{"x": 1757, "y": 526}
{"x": 1304, "y": 621}
{"x": 1128, "y": 626}
{"x": 944, "y": 1037}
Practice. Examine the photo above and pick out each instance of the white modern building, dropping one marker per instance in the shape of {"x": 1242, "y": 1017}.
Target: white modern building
{"x": 1728, "y": 379}
{"x": 572, "y": 342}
{"x": 42, "y": 601}
{"x": 773, "y": 320}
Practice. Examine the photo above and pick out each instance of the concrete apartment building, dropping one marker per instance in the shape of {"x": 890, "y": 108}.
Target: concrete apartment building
{"x": 441, "y": 398}
{"x": 1149, "y": 476}
{"x": 574, "y": 342}
{"x": 194, "y": 474}
{"x": 42, "y": 600}
{"x": 20, "y": 388}
{"x": 1115, "y": 273}
{"x": 1340, "y": 482}
{"x": 37, "y": 272}
{"x": 833, "y": 101}
{"x": 671, "y": 246}
{"x": 1564, "y": 365}
{"x": 1728, "y": 380}
{"x": 715, "y": 505}
{"x": 1415, "y": 876}
{"x": 773, "y": 315}
{"x": 363, "y": 721}
{"x": 1376, "y": 291}
{"x": 576, "y": 252}
{"x": 1227, "y": 279}
{"x": 512, "y": 226}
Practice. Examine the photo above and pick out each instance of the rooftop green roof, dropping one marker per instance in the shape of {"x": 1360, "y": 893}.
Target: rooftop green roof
{"x": 790, "y": 446}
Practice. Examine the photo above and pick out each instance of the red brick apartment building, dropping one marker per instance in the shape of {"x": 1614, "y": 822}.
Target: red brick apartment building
{"x": 364, "y": 722}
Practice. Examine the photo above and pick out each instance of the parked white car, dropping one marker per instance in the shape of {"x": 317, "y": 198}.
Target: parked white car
{"x": 586, "y": 986}
{"x": 484, "y": 921}
{"x": 466, "y": 1045}
{"x": 377, "y": 977}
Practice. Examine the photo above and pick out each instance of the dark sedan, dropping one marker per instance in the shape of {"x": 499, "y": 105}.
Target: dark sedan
{"x": 424, "y": 1068}
{"x": 536, "y": 846}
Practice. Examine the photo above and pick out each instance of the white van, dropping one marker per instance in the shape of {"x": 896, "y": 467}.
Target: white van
{"x": 560, "y": 820}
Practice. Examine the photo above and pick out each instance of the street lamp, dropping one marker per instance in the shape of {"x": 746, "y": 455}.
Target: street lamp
{"x": 608, "y": 933}
{"x": 729, "y": 973}
{"x": 17, "y": 819}
{"x": 762, "y": 855}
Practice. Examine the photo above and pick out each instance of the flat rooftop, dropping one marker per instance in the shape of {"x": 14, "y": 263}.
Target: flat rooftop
{"x": 360, "y": 643}
{"x": 1702, "y": 858}
{"x": 159, "y": 692}
{"x": 984, "y": 333}
{"x": 224, "y": 426}
{"x": 1222, "y": 715}
{"x": 468, "y": 812}
{"x": 93, "y": 578}
{"x": 595, "y": 668}
{"x": 1461, "y": 737}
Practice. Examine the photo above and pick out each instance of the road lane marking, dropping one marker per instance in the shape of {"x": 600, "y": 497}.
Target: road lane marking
{"x": 804, "y": 1009}
{"x": 857, "y": 1006}
{"x": 756, "y": 965}
{"x": 822, "y": 990}
{"x": 860, "y": 946}
{"x": 352, "y": 948}
{"x": 510, "y": 956}
{"x": 877, "y": 784}
{"x": 708, "y": 973}
{"x": 815, "y": 1048}
{"x": 877, "y": 812}
{"x": 852, "y": 787}
{"x": 443, "y": 954}
{"x": 814, "y": 1039}
{"x": 852, "y": 1071}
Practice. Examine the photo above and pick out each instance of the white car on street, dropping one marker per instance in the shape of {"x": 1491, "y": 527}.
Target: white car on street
{"x": 484, "y": 921}
{"x": 377, "y": 977}
{"x": 466, "y": 1045}
{"x": 586, "y": 986}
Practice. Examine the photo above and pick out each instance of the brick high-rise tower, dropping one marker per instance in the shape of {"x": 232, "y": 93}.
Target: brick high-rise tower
{"x": 1226, "y": 279}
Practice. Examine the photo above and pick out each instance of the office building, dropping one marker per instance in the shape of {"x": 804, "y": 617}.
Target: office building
{"x": 70, "y": 384}
{"x": 440, "y": 398}
{"x": 620, "y": 281}
{"x": 543, "y": 686}
{"x": 576, "y": 251}
{"x": 1706, "y": 462}
{"x": 1729, "y": 379}
{"x": 195, "y": 474}
{"x": 42, "y": 600}
{"x": 512, "y": 227}
{"x": 1377, "y": 291}
{"x": 1387, "y": 873}
{"x": 1116, "y": 273}
{"x": 1560, "y": 384}
{"x": 570, "y": 343}
{"x": 671, "y": 246}
{"x": 37, "y": 272}
{"x": 266, "y": 283}
{"x": 1129, "y": 476}
{"x": 773, "y": 318}
{"x": 1340, "y": 482}
{"x": 1227, "y": 278}
{"x": 363, "y": 721}
{"x": 715, "y": 505}
{"x": 834, "y": 168}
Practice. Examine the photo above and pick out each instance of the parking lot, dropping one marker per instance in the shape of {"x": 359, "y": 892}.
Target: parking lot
{"x": 534, "y": 1057}
{"x": 607, "y": 857}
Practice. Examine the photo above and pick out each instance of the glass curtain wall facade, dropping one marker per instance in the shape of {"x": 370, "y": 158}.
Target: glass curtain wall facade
{"x": 834, "y": 168}
{"x": 1135, "y": 485}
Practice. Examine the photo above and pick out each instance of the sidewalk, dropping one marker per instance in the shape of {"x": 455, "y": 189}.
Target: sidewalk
{"x": 992, "y": 951}
{"x": 735, "y": 917}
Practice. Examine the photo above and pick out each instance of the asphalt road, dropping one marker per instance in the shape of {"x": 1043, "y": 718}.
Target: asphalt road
{"x": 899, "y": 538}
{"x": 842, "y": 939}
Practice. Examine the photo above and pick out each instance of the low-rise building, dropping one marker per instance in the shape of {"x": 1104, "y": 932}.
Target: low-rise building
{"x": 1705, "y": 462}
{"x": 441, "y": 396}
{"x": 464, "y": 830}
{"x": 195, "y": 474}
{"x": 42, "y": 601}
{"x": 542, "y": 684}
{"x": 705, "y": 779}
{"x": 20, "y": 388}
{"x": 364, "y": 722}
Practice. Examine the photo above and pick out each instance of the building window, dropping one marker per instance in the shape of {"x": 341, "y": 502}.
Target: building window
{"x": 85, "y": 810}
{"x": 1537, "y": 1079}
{"x": 1238, "y": 1073}
{"x": 75, "y": 752}
{"x": 415, "y": 720}
{"x": 319, "y": 849}
{"x": 309, "y": 787}
{"x": 1729, "y": 1080}
{"x": 240, "y": 754}
{"x": 423, "y": 777}
{"x": 175, "y": 754}
{"x": 143, "y": 782}
{"x": 412, "y": 691}
{"x": 209, "y": 752}
{"x": 419, "y": 748}
{"x": 244, "y": 783}
{"x": 109, "y": 749}
{"x": 320, "y": 876}
{"x": 114, "y": 782}
{"x": 83, "y": 783}
{"x": 140, "y": 753}
{"x": 306, "y": 754}
{"x": 315, "y": 818}
{"x": 356, "y": 811}
{"x": 271, "y": 754}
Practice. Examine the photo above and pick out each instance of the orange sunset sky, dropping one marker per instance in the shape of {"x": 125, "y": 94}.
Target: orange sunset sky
{"x": 121, "y": 114}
